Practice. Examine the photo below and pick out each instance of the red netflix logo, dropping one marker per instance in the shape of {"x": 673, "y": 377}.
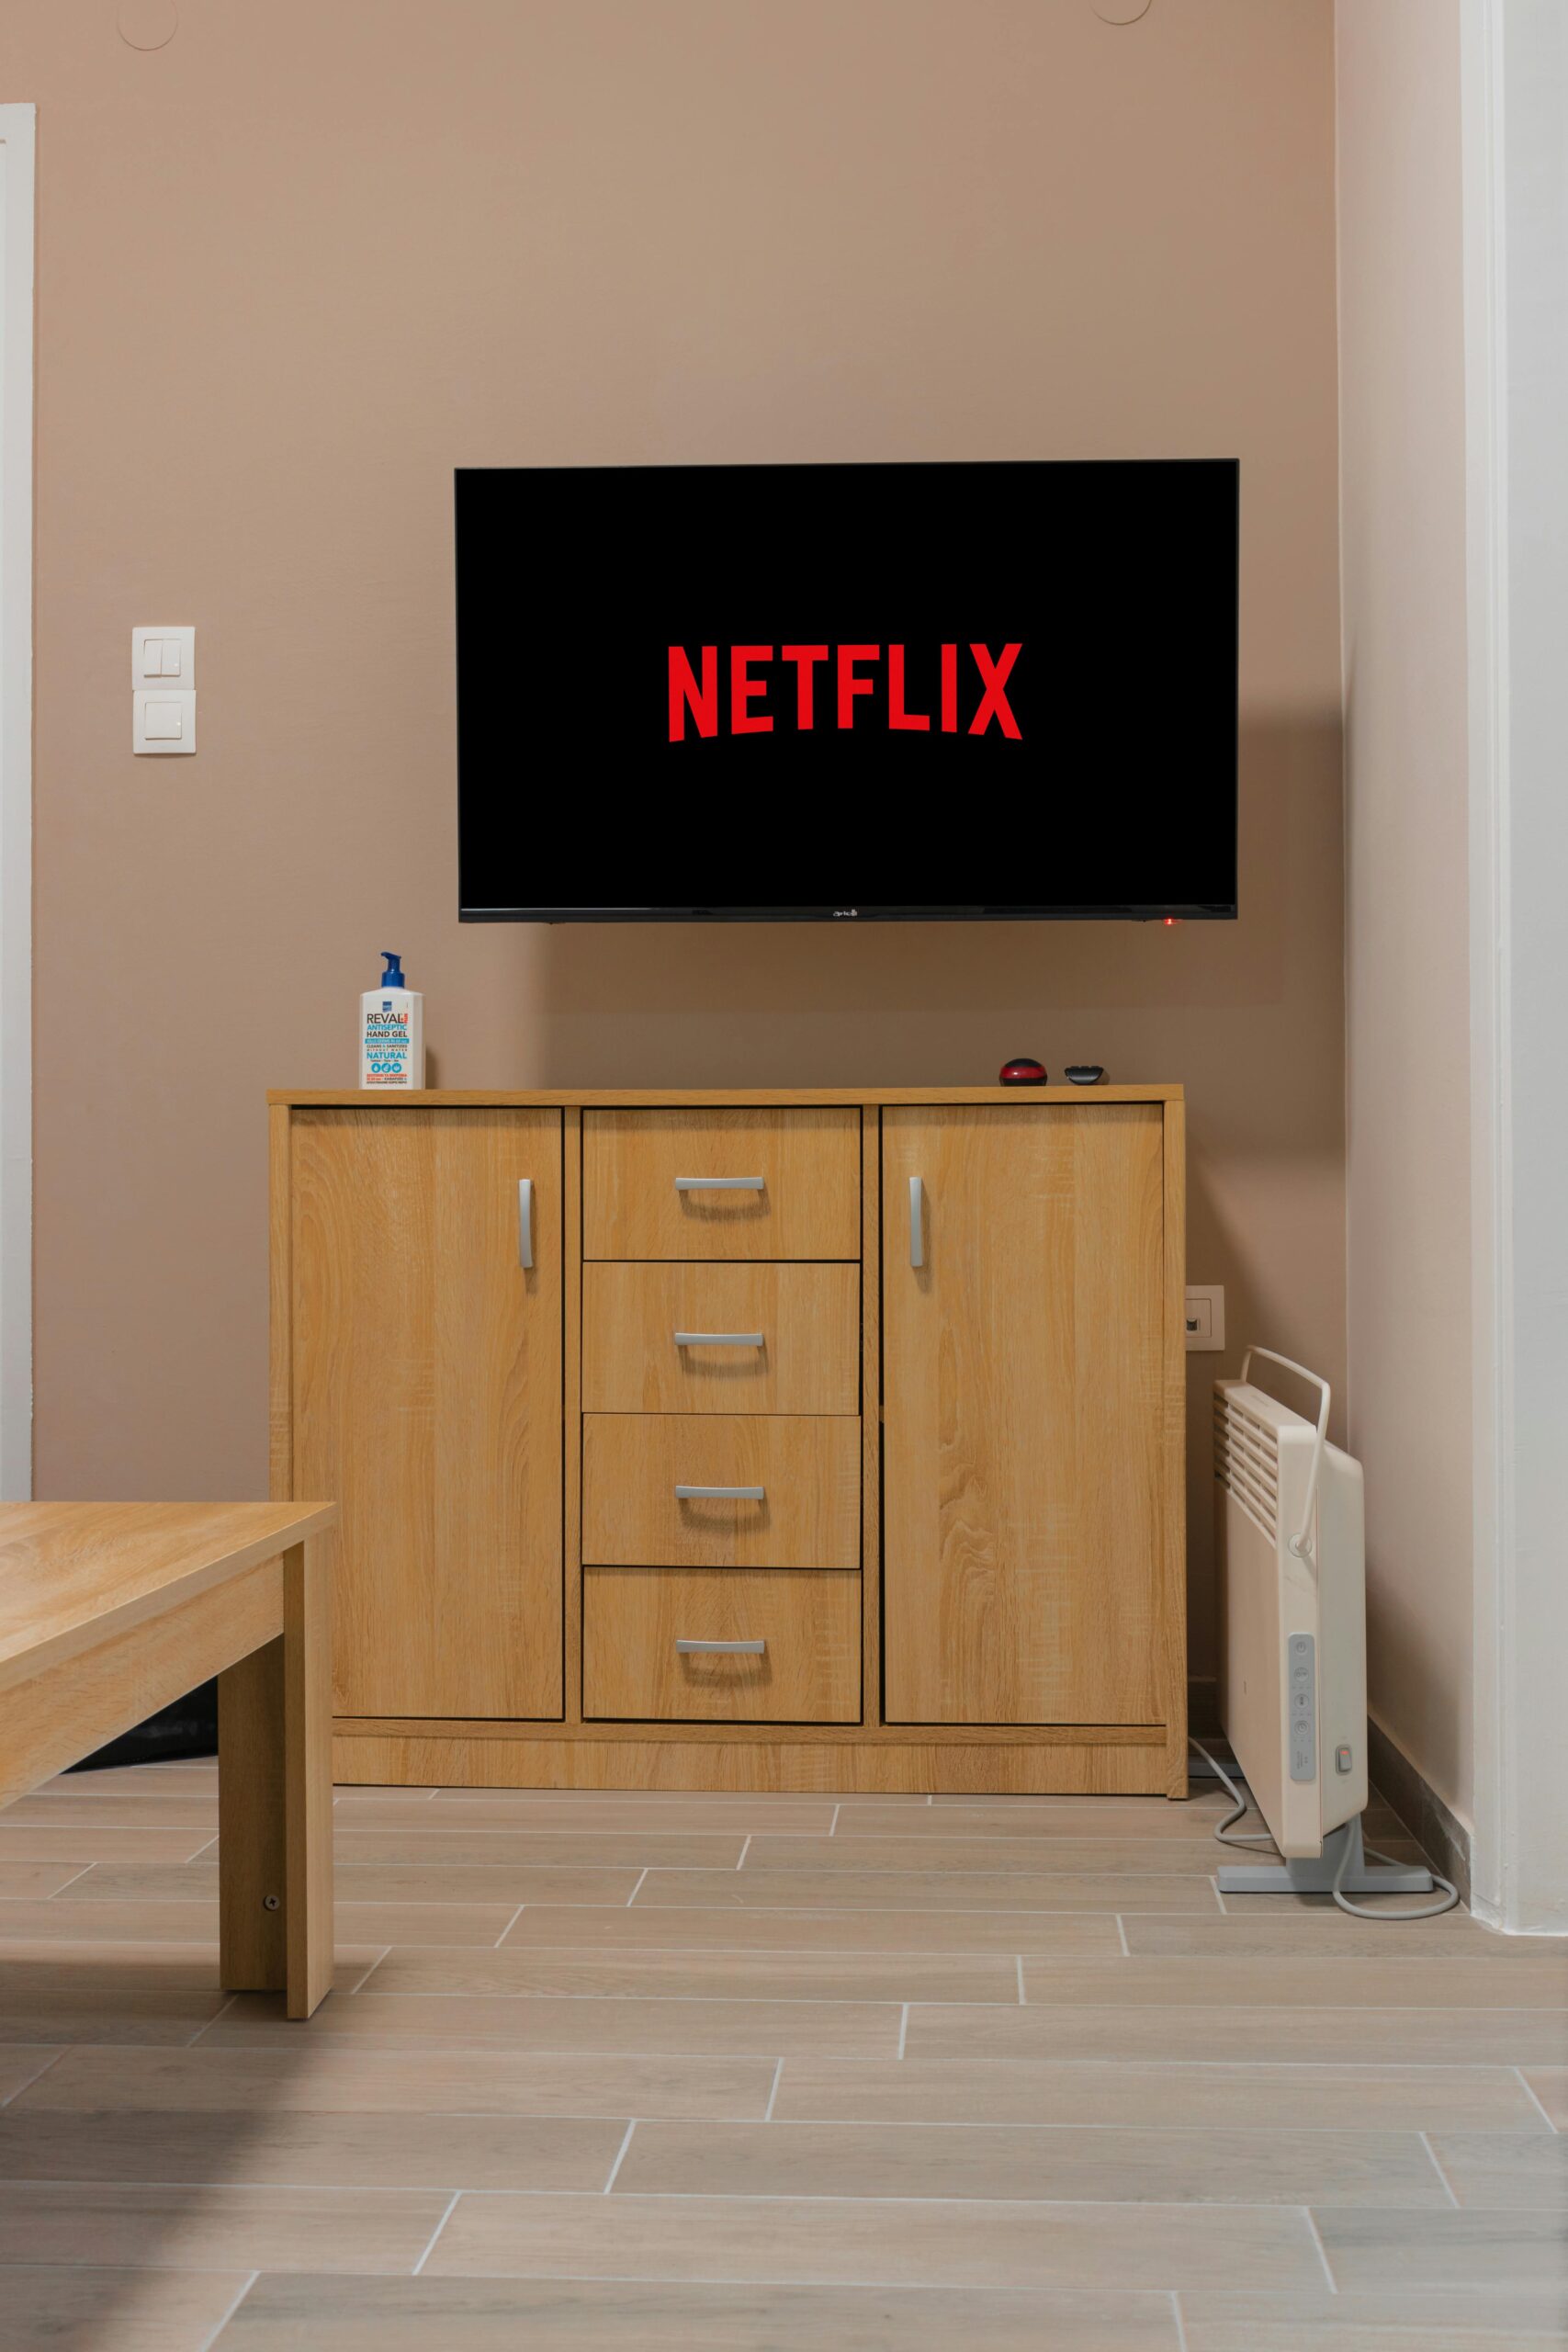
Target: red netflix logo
{"x": 850, "y": 674}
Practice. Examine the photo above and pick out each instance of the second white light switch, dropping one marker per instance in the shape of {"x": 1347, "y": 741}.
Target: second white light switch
{"x": 163, "y": 656}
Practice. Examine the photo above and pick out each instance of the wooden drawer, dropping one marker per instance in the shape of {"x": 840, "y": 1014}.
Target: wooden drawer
{"x": 795, "y": 1344}
{"x": 806, "y": 1515}
{"x": 643, "y": 1194}
{"x": 808, "y": 1619}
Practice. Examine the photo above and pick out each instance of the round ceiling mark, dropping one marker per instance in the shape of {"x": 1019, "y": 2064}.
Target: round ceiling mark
{"x": 1121, "y": 12}
{"x": 147, "y": 24}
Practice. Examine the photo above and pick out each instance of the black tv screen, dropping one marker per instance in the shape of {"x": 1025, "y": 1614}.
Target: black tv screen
{"x": 998, "y": 672}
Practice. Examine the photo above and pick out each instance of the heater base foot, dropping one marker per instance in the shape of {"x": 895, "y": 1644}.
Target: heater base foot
{"x": 1316, "y": 1876}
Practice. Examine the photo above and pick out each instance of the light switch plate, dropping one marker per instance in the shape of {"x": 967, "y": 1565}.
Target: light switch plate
{"x": 1205, "y": 1318}
{"x": 163, "y": 658}
{"x": 155, "y": 716}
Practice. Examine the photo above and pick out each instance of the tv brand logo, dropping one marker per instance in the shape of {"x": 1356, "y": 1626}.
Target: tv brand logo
{"x": 854, "y": 676}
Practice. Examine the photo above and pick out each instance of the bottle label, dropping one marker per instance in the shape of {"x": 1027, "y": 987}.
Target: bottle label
{"x": 389, "y": 1045}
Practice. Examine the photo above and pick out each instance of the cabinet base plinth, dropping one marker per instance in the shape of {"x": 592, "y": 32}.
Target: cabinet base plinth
{"x": 1113, "y": 1766}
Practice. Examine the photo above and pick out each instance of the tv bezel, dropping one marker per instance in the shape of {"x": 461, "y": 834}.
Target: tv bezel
{"x": 1074, "y": 913}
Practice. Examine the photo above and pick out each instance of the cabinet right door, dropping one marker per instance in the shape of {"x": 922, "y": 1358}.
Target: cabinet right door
{"x": 1022, "y": 1302}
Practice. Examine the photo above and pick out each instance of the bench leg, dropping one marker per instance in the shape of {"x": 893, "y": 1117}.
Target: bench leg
{"x": 275, "y": 1800}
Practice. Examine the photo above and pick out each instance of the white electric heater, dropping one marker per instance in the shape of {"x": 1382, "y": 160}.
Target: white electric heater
{"x": 1291, "y": 1547}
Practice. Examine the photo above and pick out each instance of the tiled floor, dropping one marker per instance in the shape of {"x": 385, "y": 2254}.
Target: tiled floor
{"x": 729, "y": 2074}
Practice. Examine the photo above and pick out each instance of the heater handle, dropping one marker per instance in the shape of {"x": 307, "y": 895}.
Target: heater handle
{"x": 1301, "y": 1543}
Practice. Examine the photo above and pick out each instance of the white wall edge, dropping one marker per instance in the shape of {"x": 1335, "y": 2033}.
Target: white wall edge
{"x": 1515, "y": 64}
{"x": 17, "y": 125}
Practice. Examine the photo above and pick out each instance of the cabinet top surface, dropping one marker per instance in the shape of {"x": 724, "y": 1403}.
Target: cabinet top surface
{"x": 718, "y": 1097}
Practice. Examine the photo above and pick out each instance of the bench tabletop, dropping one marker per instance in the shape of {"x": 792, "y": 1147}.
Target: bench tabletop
{"x": 73, "y": 1572}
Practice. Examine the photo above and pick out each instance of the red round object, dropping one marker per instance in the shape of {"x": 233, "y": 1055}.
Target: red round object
{"x": 1024, "y": 1070}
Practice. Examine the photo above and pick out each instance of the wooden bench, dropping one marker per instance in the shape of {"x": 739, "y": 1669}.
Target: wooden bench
{"x": 109, "y": 1611}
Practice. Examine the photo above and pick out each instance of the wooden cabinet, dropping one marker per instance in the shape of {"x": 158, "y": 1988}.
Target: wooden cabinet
{"x": 890, "y": 1383}
{"x": 424, "y": 1380}
{"x": 1023, "y": 1313}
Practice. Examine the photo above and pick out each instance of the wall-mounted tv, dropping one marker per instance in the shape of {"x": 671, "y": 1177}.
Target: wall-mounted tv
{"x": 1000, "y": 672}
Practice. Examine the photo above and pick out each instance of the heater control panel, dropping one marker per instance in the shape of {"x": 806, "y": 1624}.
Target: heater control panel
{"x": 1302, "y": 1703}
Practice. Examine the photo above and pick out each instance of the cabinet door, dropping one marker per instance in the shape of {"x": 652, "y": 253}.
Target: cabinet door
{"x": 427, "y": 1402}
{"x": 1022, "y": 1380}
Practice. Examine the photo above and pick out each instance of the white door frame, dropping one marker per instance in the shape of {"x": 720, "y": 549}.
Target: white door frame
{"x": 17, "y": 167}
{"x": 1516, "y": 212}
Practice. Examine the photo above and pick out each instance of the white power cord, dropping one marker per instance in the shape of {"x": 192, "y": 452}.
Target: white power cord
{"x": 1227, "y": 1837}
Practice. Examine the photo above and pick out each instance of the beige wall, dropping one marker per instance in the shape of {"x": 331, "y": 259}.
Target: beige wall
{"x": 1402, "y": 367}
{"x": 300, "y": 263}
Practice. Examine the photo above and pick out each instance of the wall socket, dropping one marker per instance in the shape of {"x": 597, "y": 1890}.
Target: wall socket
{"x": 1205, "y": 1318}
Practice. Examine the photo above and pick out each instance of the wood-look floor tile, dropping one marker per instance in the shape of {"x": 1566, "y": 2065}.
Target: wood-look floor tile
{"x": 503, "y": 1883}
{"x": 514, "y": 2021}
{"x": 70, "y": 1840}
{"x": 34, "y": 1881}
{"x": 116, "y": 1808}
{"x": 188, "y": 1772}
{"x": 1308, "y": 1935}
{"x": 919, "y": 2241}
{"x": 839, "y": 1890}
{"x": 994, "y": 2161}
{"x": 108, "y": 1969}
{"x": 1526, "y": 2170}
{"x": 194, "y": 1921}
{"x": 325, "y": 2078}
{"x": 180, "y": 2227}
{"x": 1084, "y": 1817}
{"x": 22, "y": 2064}
{"x": 349, "y": 1799}
{"x": 630, "y": 1812}
{"x": 1190, "y": 2097}
{"x": 1549, "y": 2085}
{"x": 1388, "y": 2249}
{"x": 114, "y": 2311}
{"x": 1406, "y": 2320}
{"x": 1391, "y": 1981}
{"x": 1126, "y": 1856}
{"x": 516, "y": 1849}
{"x": 1081, "y": 1934}
{"x": 292, "y": 2148}
{"x": 103, "y": 2012}
{"x": 703, "y": 1975}
{"x": 1333, "y": 2036}
{"x": 466, "y": 2314}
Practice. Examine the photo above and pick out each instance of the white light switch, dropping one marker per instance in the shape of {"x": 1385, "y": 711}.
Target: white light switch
{"x": 162, "y": 721}
{"x": 163, "y": 679}
{"x": 163, "y": 654}
{"x": 1205, "y": 1318}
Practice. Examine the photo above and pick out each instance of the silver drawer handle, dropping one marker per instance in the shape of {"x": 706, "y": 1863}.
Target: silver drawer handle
{"x": 720, "y": 1649}
{"x": 721, "y": 1183}
{"x": 720, "y": 1494}
{"x": 917, "y": 1222}
{"x": 525, "y": 1220}
{"x": 721, "y": 1338}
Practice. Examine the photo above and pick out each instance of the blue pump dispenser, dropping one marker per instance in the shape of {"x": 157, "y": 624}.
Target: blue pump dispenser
{"x": 392, "y": 1031}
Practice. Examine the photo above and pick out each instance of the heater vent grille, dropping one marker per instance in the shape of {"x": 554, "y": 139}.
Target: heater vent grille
{"x": 1247, "y": 1462}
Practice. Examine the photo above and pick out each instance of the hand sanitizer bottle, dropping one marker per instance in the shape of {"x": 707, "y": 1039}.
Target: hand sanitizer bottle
{"x": 392, "y": 1032}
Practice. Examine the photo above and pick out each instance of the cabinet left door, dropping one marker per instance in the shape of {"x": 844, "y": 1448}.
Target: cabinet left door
{"x": 425, "y": 1399}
